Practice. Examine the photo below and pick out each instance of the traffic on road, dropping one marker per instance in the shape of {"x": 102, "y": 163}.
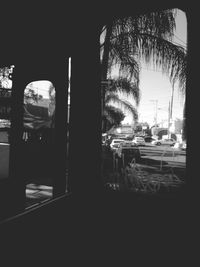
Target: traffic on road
{"x": 146, "y": 166}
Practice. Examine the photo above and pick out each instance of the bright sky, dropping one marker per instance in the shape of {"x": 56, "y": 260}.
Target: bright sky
{"x": 41, "y": 87}
{"x": 156, "y": 86}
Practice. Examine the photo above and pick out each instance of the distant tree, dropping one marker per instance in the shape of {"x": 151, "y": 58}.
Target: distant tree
{"x": 138, "y": 127}
{"x": 31, "y": 96}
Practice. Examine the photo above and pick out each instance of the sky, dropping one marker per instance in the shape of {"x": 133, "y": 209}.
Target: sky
{"x": 40, "y": 87}
{"x": 156, "y": 87}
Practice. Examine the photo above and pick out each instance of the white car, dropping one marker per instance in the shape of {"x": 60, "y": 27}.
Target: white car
{"x": 115, "y": 143}
{"x": 184, "y": 146}
{"x": 166, "y": 142}
{"x": 139, "y": 141}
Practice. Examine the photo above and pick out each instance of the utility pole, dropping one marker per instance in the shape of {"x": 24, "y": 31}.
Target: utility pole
{"x": 156, "y": 109}
{"x": 172, "y": 97}
{"x": 170, "y": 111}
{"x": 169, "y": 135}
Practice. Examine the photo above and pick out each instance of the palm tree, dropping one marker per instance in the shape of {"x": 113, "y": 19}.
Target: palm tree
{"x": 116, "y": 86}
{"x": 112, "y": 117}
{"x": 148, "y": 36}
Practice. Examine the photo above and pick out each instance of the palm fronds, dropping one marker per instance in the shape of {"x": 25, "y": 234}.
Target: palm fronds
{"x": 163, "y": 54}
{"x": 113, "y": 115}
{"x": 123, "y": 104}
{"x": 147, "y": 36}
{"x": 124, "y": 86}
{"x": 127, "y": 40}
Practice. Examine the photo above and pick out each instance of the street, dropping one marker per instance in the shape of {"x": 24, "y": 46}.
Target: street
{"x": 170, "y": 155}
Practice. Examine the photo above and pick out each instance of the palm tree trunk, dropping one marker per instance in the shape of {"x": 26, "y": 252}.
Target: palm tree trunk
{"x": 104, "y": 67}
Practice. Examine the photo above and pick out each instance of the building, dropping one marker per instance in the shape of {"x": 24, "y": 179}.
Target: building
{"x": 123, "y": 131}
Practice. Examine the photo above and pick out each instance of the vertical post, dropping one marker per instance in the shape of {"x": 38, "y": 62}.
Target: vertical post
{"x": 170, "y": 111}
{"x": 172, "y": 98}
{"x": 156, "y": 111}
{"x": 60, "y": 147}
{"x": 169, "y": 120}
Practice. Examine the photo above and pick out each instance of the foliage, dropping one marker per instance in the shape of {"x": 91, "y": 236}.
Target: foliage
{"x": 112, "y": 116}
{"x": 118, "y": 85}
{"x": 146, "y": 36}
{"x": 126, "y": 41}
{"x": 31, "y": 96}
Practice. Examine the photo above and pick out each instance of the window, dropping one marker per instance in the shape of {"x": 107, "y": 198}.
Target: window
{"x": 38, "y": 138}
{"x": 143, "y": 88}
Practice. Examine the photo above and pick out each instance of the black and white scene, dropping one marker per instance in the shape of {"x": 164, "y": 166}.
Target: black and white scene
{"x": 143, "y": 103}
{"x": 93, "y": 125}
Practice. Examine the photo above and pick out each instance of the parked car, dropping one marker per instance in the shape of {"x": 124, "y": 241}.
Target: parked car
{"x": 166, "y": 142}
{"x": 139, "y": 141}
{"x": 115, "y": 143}
{"x": 178, "y": 145}
{"x": 184, "y": 146}
{"x": 149, "y": 139}
{"x": 127, "y": 143}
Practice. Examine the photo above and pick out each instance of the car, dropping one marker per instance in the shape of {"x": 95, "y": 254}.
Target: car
{"x": 184, "y": 146}
{"x": 149, "y": 139}
{"x": 115, "y": 143}
{"x": 178, "y": 145}
{"x": 127, "y": 143}
{"x": 138, "y": 140}
{"x": 166, "y": 142}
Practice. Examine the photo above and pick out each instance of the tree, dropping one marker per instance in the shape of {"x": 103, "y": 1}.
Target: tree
{"x": 127, "y": 40}
{"x": 116, "y": 86}
{"x": 112, "y": 117}
{"x": 31, "y": 96}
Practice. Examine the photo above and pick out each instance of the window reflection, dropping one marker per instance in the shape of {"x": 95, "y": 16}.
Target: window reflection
{"x": 39, "y": 108}
{"x": 143, "y": 86}
{"x": 38, "y": 137}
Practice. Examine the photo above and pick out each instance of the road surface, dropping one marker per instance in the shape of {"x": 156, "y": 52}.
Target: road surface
{"x": 173, "y": 156}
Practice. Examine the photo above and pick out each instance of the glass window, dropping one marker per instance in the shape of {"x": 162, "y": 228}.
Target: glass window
{"x": 38, "y": 137}
{"x": 143, "y": 85}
